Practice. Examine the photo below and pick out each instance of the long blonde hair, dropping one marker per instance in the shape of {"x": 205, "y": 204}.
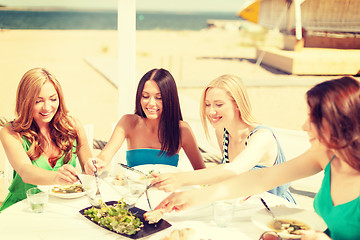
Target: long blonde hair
{"x": 236, "y": 90}
{"x": 62, "y": 130}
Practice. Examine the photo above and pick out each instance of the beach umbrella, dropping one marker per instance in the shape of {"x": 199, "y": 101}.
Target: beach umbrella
{"x": 250, "y": 11}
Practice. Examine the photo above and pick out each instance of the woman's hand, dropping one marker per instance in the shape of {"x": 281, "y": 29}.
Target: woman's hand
{"x": 180, "y": 200}
{"x": 314, "y": 235}
{"x": 90, "y": 168}
{"x": 168, "y": 182}
{"x": 66, "y": 175}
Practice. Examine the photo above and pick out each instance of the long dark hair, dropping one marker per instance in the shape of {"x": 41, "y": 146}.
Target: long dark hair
{"x": 335, "y": 106}
{"x": 169, "y": 125}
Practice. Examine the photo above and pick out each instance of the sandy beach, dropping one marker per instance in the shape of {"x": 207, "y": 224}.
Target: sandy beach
{"x": 194, "y": 58}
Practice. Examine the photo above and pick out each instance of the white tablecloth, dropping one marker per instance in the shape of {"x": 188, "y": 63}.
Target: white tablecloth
{"x": 62, "y": 219}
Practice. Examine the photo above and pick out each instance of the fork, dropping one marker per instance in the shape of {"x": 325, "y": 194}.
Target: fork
{"x": 95, "y": 200}
{"x": 145, "y": 191}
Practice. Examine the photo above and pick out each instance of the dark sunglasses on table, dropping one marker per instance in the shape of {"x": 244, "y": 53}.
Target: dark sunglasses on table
{"x": 273, "y": 236}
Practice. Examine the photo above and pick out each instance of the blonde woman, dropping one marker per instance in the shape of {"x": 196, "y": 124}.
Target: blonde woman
{"x": 43, "y": 141}
{"x": 333, "y": 126}
{"x": 244, "y": 143}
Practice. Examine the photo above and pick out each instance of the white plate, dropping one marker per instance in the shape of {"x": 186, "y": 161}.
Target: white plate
{"x": 161, "y": 168}
{"x": 148, "y": 168}
{"x": 262, "y": 218}
{"x": 60, "y": 195}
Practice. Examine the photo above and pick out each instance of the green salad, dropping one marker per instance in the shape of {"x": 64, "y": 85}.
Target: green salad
{"x": 116, "y": 217}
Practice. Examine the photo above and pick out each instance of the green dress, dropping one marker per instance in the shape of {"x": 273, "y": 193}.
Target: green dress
{"x": 343, "y": 220}
{"x": 17, "y": 189}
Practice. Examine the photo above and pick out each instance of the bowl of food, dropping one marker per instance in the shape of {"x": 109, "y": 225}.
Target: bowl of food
{"x": 290, "y": 221}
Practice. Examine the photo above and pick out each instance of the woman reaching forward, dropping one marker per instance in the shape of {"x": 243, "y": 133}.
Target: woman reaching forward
{"x": 334, "y": 129}
{"x": 43, "y": 141}
{"x": 156, "y": 132}
{"x": 244, "y": 143}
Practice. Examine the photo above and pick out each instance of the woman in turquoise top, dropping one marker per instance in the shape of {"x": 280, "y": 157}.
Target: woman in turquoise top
{"x": 43, "y": 141}
{"x": 324, "y": 206}
{"x": 156, "y": 132}
{"x": 333, "y": 127}
{"x": 244, "y": 143}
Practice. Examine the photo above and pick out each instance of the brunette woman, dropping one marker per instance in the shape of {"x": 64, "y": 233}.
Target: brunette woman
{"x": 156, "y": 132}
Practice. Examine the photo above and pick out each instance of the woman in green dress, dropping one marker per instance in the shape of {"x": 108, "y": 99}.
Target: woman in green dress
{"x": 333, "y": 127}
{"x": 43, "y": 141}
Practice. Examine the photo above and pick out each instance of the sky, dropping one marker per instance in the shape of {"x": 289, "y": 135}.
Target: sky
{"x": 148, "y": 5}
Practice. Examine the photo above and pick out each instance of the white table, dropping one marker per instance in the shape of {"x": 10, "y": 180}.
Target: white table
{"x": 62, "y": 219}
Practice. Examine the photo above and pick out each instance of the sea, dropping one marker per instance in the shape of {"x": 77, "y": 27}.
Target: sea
{"x": 107, "y": 20}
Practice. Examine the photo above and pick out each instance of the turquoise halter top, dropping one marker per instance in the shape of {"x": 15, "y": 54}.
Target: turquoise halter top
{"x": 143, "y": 156}
{"x": 343, "y": 220}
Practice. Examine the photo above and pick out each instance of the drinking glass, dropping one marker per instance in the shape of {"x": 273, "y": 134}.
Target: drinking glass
{"x": 136, "y": 186}
{"x": 37, "y": 199}
{"x": 223, "y": 212}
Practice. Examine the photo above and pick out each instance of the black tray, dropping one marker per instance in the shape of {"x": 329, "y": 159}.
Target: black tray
{"x": 146, "y": 230}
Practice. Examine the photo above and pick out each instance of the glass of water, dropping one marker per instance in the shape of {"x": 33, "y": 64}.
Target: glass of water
{"x": 136, "y": 186}
{"x": 223, "y": 212}
{"x": 37, "y": 199}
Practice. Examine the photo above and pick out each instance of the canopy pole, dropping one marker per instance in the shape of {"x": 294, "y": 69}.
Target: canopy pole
{"x": 126, "y": 81}
{"x": 298, "y": 26}
{"x": 126, "y": 56}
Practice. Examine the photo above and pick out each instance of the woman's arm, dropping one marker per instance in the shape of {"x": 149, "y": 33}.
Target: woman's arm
{"x": 84, "y": 152}
{"x": 249, "y": 183}
{"x": 21, "y": 163}
{"x": 172, "y": 181}
{"x": 261, "y": 147}
{"x": 169, "y": 182}
{"x": 116, "y": 140}
{"x": 262, "y": 143}
{"x": 190, "y": 146}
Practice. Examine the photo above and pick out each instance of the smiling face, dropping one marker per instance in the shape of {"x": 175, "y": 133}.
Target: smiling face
{"x": 151, "y": 101}
{"x": 46, "y": 104}
{"x": 220, "y": 108}
{"x": 309, "y": 127}
{"x": 312, "y": 132}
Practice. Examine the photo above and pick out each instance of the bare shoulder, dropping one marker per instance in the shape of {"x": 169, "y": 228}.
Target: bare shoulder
{"x": 184, "y": 125}
{"x": 185, "y": 128}
{"x": 76, "y": 122}
{"x": 185, "y": 131}
{"x": 6, "y": 132}
{"x": 129, "y": 121}
{"x": 264, "y": 133}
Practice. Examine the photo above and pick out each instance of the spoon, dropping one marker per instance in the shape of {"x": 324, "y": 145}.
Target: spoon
{"x": 277, "y": 224}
